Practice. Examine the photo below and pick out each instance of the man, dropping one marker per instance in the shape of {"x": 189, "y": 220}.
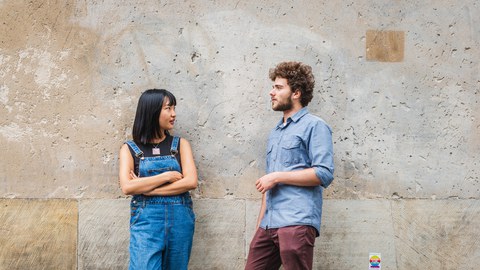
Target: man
{"x": 299, "y": 166}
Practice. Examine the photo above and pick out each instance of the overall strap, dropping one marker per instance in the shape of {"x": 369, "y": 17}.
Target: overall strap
{"x": 138, "y": 152}
{"x": 174, "y": 148}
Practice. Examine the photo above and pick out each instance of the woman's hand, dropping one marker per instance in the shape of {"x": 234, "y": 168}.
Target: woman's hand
{"x": 173, "y": 176}
{"x": 133, "y": 175}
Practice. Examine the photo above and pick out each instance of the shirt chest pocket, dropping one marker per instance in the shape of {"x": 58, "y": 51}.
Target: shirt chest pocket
{"x": 292, "y": 151}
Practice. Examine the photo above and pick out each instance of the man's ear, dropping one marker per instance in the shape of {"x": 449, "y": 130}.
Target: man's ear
{"x": 297, "y": 94}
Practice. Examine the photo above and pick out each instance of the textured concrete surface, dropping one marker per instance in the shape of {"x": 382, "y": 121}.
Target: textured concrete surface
{"x": 103, "y": 234}
{"x": 219, "y": 234}
{"x": 71, "y": 73}
{"x": 38, "y": 234}
{"x": 441, "y": 234}
{"x": 352, "y": 229}
{"x": 405, "y": 120}
{"x": 42, "y": 234}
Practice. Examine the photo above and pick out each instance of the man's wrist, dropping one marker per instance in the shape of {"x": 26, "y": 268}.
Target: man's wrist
{"x": 277, "y": 177}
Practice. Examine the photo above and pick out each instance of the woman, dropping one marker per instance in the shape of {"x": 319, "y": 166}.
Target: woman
{"x": 158, "y": 170}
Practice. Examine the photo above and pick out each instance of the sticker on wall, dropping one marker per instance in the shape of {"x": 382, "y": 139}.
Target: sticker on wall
{"x": 375, "y": 261}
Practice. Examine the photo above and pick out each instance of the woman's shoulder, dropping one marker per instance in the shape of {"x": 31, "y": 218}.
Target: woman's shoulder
{"x": 184, "y": 142}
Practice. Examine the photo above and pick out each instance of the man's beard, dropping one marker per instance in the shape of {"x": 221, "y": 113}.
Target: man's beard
{"x": 283, "y": 106}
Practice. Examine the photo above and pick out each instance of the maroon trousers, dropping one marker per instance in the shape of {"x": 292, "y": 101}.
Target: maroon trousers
{"x": 291, "y": 246}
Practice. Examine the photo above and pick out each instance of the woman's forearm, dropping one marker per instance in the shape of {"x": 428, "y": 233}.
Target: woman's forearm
{"x": 146, "y": 184}
{"x": 181, "y": 186}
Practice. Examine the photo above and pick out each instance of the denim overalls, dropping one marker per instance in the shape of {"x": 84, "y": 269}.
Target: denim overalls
{"x": 161, "y": 227}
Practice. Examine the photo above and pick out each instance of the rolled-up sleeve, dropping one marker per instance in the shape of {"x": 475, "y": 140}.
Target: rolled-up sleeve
{"x": 321, "y": 152}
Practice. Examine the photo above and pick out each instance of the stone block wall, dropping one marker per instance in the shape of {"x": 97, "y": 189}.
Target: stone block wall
{"x": 398, "y": 82}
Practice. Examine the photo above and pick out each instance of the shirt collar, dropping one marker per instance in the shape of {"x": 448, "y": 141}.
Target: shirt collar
{"x": 293, "y": 118}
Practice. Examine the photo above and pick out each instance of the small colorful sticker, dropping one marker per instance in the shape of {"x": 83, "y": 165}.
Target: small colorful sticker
{"x": 375, "y": 261}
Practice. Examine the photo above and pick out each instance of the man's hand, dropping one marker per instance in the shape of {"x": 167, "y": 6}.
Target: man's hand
{"x": 266, "y": 182}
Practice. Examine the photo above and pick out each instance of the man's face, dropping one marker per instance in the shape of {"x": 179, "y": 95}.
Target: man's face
{"x": 281, "y": 95}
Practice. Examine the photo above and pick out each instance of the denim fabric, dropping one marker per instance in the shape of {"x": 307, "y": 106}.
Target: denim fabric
{"x": 305, "y": 141}
{"x": 161, "y": 232}
{"x": 161, "y": 227}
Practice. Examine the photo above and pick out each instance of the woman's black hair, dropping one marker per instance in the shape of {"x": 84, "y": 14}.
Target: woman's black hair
{"x": 146, "y": 127}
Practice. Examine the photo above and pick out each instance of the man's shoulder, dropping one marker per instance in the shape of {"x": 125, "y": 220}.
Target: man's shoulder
{"x": 314, "y": 119}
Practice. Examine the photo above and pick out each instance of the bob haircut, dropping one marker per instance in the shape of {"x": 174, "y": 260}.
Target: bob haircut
{"x": 146, "y": 127}
{"x": 299, "y": 77}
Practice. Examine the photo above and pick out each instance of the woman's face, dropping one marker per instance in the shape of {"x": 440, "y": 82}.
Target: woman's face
{"x": 167, "y": 115}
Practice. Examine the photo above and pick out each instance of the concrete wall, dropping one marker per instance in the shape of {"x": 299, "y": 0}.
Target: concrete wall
{"x": 398, "y": 81}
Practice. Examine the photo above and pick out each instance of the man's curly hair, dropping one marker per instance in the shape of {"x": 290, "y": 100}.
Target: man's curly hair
{"x": 299, "y": 77}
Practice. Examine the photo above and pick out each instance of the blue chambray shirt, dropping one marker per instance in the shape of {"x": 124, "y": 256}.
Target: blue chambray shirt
{"x": 305, "y": 141}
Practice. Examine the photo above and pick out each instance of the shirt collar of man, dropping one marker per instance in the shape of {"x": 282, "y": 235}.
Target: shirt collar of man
{"x": 293, "y": 118}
